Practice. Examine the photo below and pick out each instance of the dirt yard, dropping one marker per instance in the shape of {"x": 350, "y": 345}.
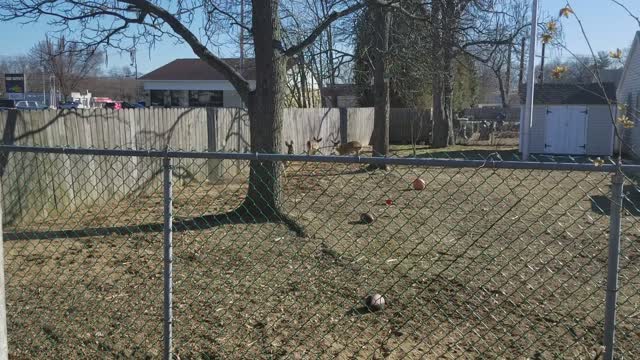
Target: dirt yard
{"x": 481, "y": 264}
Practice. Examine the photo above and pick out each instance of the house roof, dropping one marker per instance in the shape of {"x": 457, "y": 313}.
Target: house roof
{"x": 197, "y": 69}
{"x": 634, "y": 45}
{"x": 572, "y": 94}
{"x": 610, "y": 75}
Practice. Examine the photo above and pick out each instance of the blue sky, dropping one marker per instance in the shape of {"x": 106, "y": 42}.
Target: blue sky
{"x": 607, "y": 26}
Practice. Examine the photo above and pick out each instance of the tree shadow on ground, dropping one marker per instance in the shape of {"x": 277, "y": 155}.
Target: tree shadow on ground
{"x": 474, "y": 154}
{"x": 205, "y": 222}
{"x": 500, "y": 155}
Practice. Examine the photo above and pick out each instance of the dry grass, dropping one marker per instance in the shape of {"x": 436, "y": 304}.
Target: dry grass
{"x": 481, "y": 264}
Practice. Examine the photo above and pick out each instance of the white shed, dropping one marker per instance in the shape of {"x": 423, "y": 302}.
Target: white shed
{"x": 571, "y": 119}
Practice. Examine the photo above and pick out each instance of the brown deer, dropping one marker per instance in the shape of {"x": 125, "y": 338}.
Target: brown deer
{"x": 289, "y": 152}
{"x": 289, "y": 147}
{"x": 313, "y": 146}
{"x": 352, "y": 147}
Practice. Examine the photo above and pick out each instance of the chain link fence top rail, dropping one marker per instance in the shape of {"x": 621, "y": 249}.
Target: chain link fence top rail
{"x": 493, "y": 259}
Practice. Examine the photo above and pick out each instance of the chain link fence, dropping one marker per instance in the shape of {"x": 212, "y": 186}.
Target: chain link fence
{"x": 492, "y": 259}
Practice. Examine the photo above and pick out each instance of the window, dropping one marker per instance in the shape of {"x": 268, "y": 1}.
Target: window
{"x": 178, "y": 98}
{"x": 206, "y": 98}
{"x": 157, "y": 97}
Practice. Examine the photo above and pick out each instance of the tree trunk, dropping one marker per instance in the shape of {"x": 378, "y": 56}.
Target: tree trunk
{"x": 523, "y": 44}
{"x": 443, "y": 41}
{"x": 381, "y": 85}
{"x": 265, "y": 106}
{"x": 303, "y": 80}
{"x": 440, "y": 129}
{"x": 440, "y": 124}
{"x": 507, "y": 90}
{"x": 503, "y": 91}
{"x": 448, "y": 96}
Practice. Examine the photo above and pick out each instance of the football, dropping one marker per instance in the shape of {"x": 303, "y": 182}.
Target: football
{"x": 375, "y": 302}
{"x": 419, "y": 184}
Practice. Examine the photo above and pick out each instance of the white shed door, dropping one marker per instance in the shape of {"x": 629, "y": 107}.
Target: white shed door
{"x": 565, "y": 130}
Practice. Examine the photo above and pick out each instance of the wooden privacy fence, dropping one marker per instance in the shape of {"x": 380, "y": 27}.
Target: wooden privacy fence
{"x": 38, "y": 184}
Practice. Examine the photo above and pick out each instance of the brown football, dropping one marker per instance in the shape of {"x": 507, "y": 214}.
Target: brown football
{"x": 375, "y": 302}
{"x": 367, "y": 218}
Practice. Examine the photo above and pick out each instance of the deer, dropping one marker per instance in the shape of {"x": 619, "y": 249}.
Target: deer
{"x": 289, "y": 147}
{"x": 313, "y": 146}
{"x": 289, "y": 152}
{"x": 348, "y": 148}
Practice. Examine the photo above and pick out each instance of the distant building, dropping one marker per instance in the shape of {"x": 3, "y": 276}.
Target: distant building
{"x": 193, "y": 83}
{"x": 571, "y": 119}
{"x": 610, "y": 76}
{"x": 340, "y": 95}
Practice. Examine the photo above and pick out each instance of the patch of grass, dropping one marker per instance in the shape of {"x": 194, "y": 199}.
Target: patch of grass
{"x": 497, "y": 263}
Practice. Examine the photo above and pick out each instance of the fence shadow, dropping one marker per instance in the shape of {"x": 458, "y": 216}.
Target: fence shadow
{"x": 503, "y": 155}
{"x": 472, "y": 154}
{"x": 193, "y": 224}
{"x": 601, "y": 204}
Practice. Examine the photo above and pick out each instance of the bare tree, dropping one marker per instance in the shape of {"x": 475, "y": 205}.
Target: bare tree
{"x": 69, "y": 62}
{"x": 149, "y": 21}
{"x": 382, "y": 24}
{"x": 500, "y": 58}
{"x": 460, "y": 27}
{"x": 328, "y": 59}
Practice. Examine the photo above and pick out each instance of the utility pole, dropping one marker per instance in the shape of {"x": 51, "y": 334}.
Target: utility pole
{"x": 521, "y": 75}
{"x": 44, "y": 88}
{"x": 544, "y": 46}
{"x": 242, "y": 37}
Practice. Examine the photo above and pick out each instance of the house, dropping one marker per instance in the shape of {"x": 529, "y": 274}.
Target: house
{"x": 193, "y": 83}
{"x": 571, "y": 119}
{"x": 609, "y": 75}
{"x": 629, "y": 94}
{"x": 340, "y": 95}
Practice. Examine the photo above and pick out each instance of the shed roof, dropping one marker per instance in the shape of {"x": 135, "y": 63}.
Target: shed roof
{"x": 609, "y": 75}
{"x": 572, "y": 94}
{"x": 196, "y": 69}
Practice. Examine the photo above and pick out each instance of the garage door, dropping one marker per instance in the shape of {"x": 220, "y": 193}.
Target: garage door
{"x": 565, "y": 130}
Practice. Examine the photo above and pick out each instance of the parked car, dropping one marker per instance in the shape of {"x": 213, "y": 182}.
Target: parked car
{"x": 116, "y": 105}
{"x": 128, "y": 105}
{"x": 69, "y": 105}
{"x": 7, "y": 104}
{"x": 30, "y": 105}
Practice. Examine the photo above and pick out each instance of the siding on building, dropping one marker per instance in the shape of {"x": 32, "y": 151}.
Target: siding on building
{"x": 600, "y": 130}
{"x": 629, "y": 93}
{"x": 536, "y": 133}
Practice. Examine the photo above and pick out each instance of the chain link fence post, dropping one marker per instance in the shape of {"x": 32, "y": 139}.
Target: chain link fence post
{"x": 168, "y": 257}
{"x": 4, "y": 344}
{"x": 617, "y": 184}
